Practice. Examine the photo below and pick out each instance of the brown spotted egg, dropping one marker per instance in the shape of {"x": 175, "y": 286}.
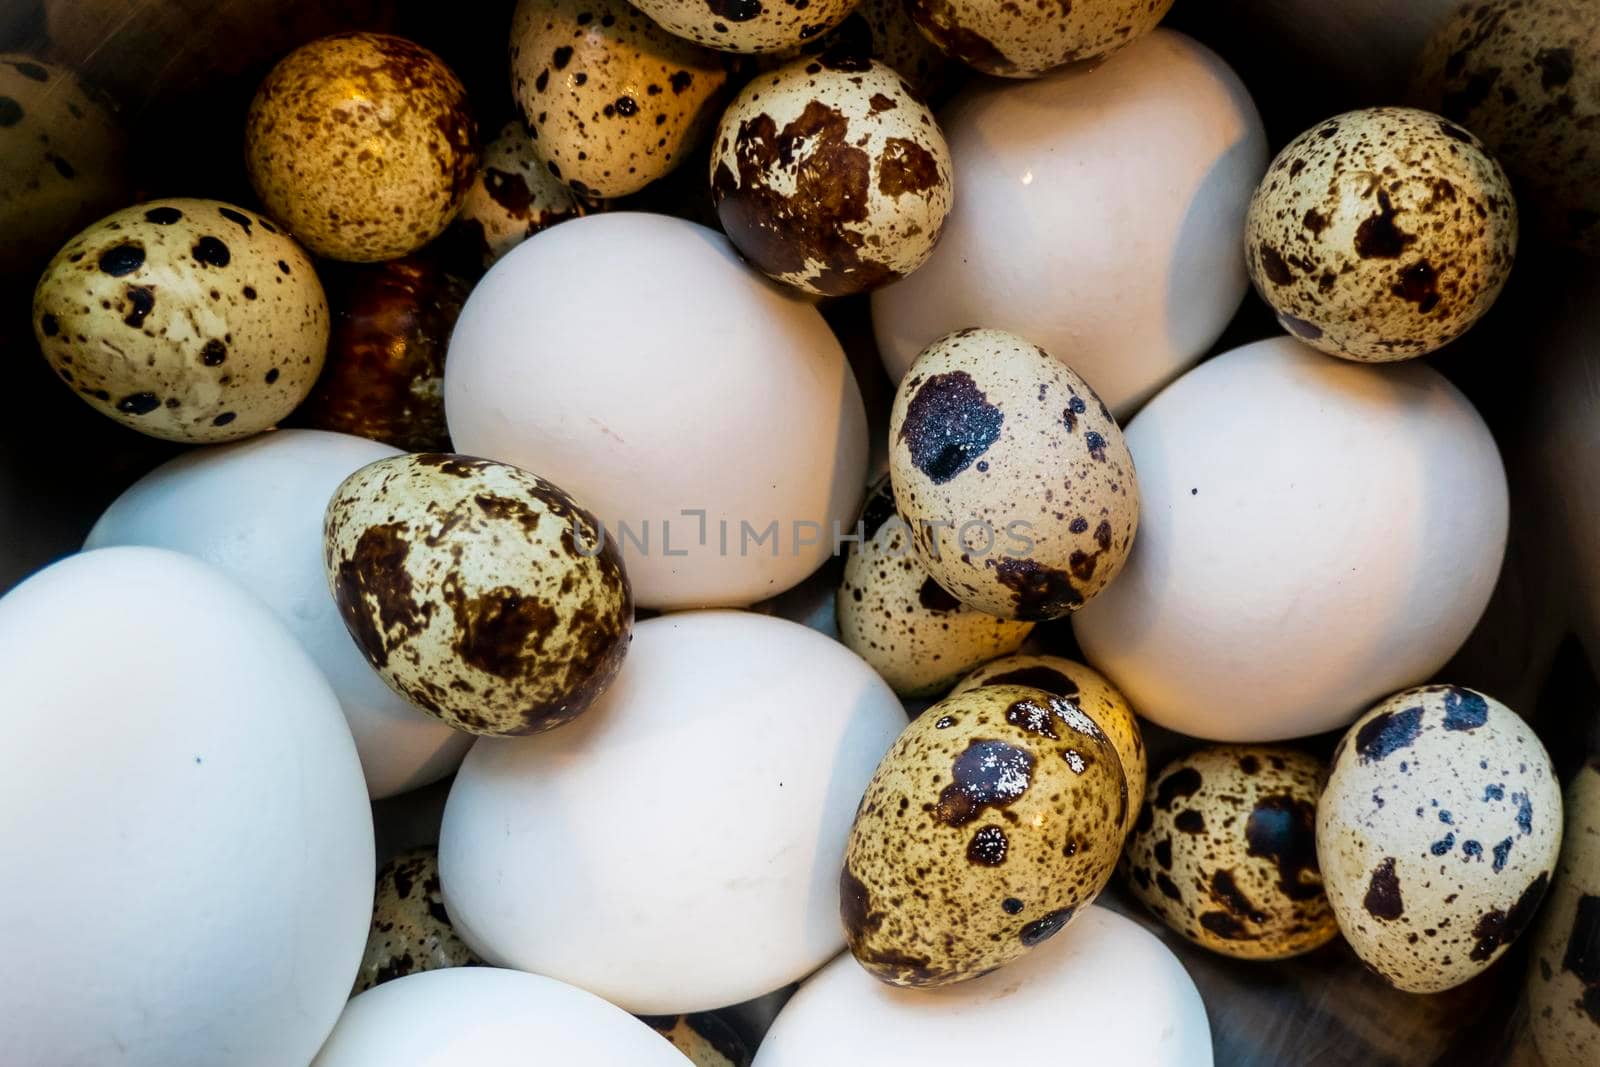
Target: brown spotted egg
{"x": 1014, "y": 478}
{"x": 1382, "y": 234}
{"x": 478, "y": 591}
{"x": 1026, "y": 40}
{"x": 1524, "y": 75}
{"x": 513, "y": 197}
{"x": 1564, "y": 975}
{"x": 884, "y": 30}
{"x": 1090, "y": 691}
{"x": 612, "y": 100}
{"x": 747, "y": 25}
{"x": 917, "y": 637}
{"x": 363, "y": 145}
{"x": 1437, "y": 834}
{"x": 411, "y": 930}
{"x": 830, "y": 175}
{"x": 703, "y": 1038}
{"x": 1225, "y": 852}
{"x": 995, "y": 817}
{"x": 188, "y": 320}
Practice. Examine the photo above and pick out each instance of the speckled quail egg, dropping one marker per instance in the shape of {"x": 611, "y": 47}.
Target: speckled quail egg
{"x": 1564, "y": 975}
{"x": 747, "y": 25}
{"x": 995, "y": 817}
{"x": 188, "y": 320}
{"x": 884, "y": 30}
{"x": 1014, "y": 478}
{"x": 411, "y": 929}
{"x": 1437, "y": 833}
{"x": 830, "y": 174}
{"x": 704, "y": 1038}
{"x": 363, "y": 145}
{"x": 1024, "y": 41}
{"x": 384, "y": 376}
{"x": 480, "y": 592}
{"x": 513, "y": 197}
{"x": 1524, "y": 75}
{"x": 61, "y": 161}
{"x": 917, "y": 637}
{"x": 1094, "y": 695}
{"x": 1225, "y": 852}
{"x": 612, "y": 100}
{"x": 1382, "y": 234}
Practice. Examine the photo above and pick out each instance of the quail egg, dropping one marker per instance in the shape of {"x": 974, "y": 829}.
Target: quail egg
{"x": 478, "y": 591}
{"x": 703, "y": 1038}
{"x": 513, "y": 197}
{"x": 884, "y": 30}
{"x": 747, "y": 25}
{"x": 1564, "y": 976}
{"x": 1026, "y": 40}
{"x": 1437, "y": 834}
{"x": 411, "y": 929}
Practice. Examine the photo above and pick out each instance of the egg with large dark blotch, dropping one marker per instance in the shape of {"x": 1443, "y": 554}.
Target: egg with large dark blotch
{"x": 994, "y": 819}
{"x": 704, "y": 1039}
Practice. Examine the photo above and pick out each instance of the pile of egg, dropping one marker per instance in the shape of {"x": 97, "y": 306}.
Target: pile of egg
{"x": 546, "y": 629}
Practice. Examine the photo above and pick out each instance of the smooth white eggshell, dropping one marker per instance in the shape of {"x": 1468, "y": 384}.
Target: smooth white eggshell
{"x": 255, "y": 510}
{"x": 638, "y": 363}
{"x": 1104, "y": 992}
{"x": 677, "y": 848}
{"x": 486, "y": 1017}
{"x": 1314, "y": 536}
{"x": 193, "y": 847}
{"x": 1099, "y": 217}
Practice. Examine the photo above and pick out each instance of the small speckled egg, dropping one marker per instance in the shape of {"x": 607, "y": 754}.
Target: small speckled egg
{"x": 747, "y": 25}
{"x": 1437, "y": 834}
{"x": 612, "y": 100}
{"x": 1090, "y": 691}
{"x": 363, "y": 145}
{"x": 1014, "y": 478}
{"x": 478, "y": 591}
{"x": 884, "y": 30}
{"x": 1524, "y": 75}
{"x": 703, "y": 1038}
{"x": 830, "y": 174}
{"x": 384, "y": 376}
{"x": 1225, "y": 852}
{"x": 1382, "y": 234}
{"x": 1564, "y": 974}
{"x": 917, "y": 637}
{"x": 61, "y": 161}
{"x": 513, "y": 197}
{"x": 411, "y": 929}
{"x": 1024, "y": 41}
{"x": 995, "y": 817}
{"x": 188, "y": 320}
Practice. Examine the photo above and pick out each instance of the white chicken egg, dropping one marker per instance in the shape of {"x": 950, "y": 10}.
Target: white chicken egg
{"x": 678, "y": 847}
{"x": 1314, "y": 536}
{"x": 198, "y": 845}
{"x": 1105, "y": 992}
{"x": 255, "y": 510}
{"x": 1099, "y": 217}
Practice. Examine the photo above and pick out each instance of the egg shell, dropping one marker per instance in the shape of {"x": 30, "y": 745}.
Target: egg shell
{"x": 254, "y": 510}
{"x": 1381, "y": 234}
{"x": 1120, "y": 995}
{"x": 363, "y": 144}
{"x": 62, "y": 161}
{"x": 1525, "y": 77}
{"x": 703, "y": 1038}
{"x": 487, "y": 1017}
{"x": 480, "y": 592}
{"x": 411, "y": 929}
{"x": 1026, "y": 40}
{"x": 198, "y": 841}
{"x": 1012, "y": 476}
{"x": 612, "y": 101}
{"x": 188, "y": 320}
{"x": 384, "y": 375}
{"x": 995, "y": 817}
{"x": 1437, "y": 833}
{"x": 747, "y": 25}
{"x": 1094, "y": 696}
{"x": 884, "y": 30}
{"x": 666, "y": 379}
{"x": 1099, "y": 217}
{"x": 734, "y": 748}
{"x": 513, "y": 197}
{"x": 1315, "y": 534}
{"x": 1564, "y": 972}
{"x": 1225, "y": 852}
{"x": 916, "y": 635}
